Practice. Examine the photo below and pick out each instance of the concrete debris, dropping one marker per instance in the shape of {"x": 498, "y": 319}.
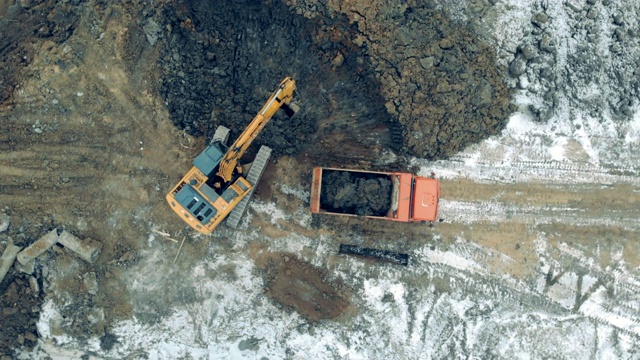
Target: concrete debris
{"x": 5, "y": 221}
{"x": 39, "y": 247}
{"x": 152, "y": 31}
{"x": 88, "y": 250}
{"x": 29, "y": 268}
{"x": 91, "y": 283}
{"x": 8, "y": 257}
{"x": 33, "y": 284}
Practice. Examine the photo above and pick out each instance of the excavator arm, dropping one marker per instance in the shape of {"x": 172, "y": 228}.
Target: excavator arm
{"x": 282, "y": 97}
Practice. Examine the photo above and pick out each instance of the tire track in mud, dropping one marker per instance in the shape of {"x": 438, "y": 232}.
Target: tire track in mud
{"x": 543, "y": 171}
{"x": 614, "y": 313}
{"x": 493, "y": 212}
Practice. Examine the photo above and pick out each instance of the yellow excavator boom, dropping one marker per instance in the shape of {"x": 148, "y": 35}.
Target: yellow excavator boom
{"x": 281, "y": 97}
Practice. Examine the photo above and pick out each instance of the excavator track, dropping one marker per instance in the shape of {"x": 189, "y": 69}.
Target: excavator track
{"x": 254, "y": 175}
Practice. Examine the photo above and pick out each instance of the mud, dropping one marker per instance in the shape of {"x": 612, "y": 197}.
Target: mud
{"x": 300, "y": 286}
{"x": 355, "y": 193}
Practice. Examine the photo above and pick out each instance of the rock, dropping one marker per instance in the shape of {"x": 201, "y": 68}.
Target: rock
{"x": 592, "y": 2}
{"x": 550, "y": 95}
{"x": 528, "y": 52}
{"x": 592, "y": 13}
{"x": 540, "y": 19}
{"x": 338, "y": 60}
{"x": 546, "y": 44}
{"x": 484, "y": 96}
{"x": 249, "y": 344}
{"x": 5, "y": 221}
{"x": 518, "y": 66}
{"x": 615, "y": 48}
{"x": 91, "y": 283}
{"x": 387, "y": 298}
{"x": 9, "y": 310}
{"x": 445, "y": 43}
{"x": 25, "y": 4}
{"x": 29, "y": 268}
{"x": 572, "y": 6}
{"x": 21, "y": 339}
{"x": 626, "y": 110}
{"x": 427, "y": 62}
{"x": 618, "y": 20}
{"x": 30, "y": 336}
{"x": 523, "y": 82}
{"x": 152, "y": 30}
{"x": 35, "y": 287}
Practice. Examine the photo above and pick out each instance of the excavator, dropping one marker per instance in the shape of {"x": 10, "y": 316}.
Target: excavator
{"x": 215, "y": 188}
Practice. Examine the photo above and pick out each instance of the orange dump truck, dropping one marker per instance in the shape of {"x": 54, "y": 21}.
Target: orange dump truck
{"x": 392, "y": 196}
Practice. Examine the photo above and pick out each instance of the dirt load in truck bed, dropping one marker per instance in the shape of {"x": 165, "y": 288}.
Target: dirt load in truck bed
{"x": 356, "y": 193}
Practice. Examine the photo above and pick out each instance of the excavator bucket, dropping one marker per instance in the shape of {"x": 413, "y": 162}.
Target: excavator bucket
{"x": 291, "y": 109}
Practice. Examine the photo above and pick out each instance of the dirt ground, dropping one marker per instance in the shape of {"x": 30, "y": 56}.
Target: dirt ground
{"x": 105, "y": 105}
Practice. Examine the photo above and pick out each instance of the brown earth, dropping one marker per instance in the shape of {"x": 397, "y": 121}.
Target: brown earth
{"x": 301, "y": 286}
{"x": 438, "y": 79}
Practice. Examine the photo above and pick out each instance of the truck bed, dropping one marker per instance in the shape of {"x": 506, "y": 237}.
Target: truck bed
{"x": 356, "y": 193}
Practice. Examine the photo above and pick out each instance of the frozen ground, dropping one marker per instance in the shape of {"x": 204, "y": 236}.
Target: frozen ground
{"x": 456, "y": 299}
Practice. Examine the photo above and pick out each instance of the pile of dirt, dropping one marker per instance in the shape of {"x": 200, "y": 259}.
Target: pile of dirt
{"x": 299, "y": 285}
{"x": 221, "y": 60}
{"x": 19, "y": 311}
{"x": 356, "y": 193}
{"x": 437, "y": 78}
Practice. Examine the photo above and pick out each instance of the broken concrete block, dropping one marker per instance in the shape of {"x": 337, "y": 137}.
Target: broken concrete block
{"x": 8, "y": 257}
{"x": 35, "y": 287}
{"x": 40, "y": 246}
{"x": 29, "y": 268}
{"x": 88, "y": 250}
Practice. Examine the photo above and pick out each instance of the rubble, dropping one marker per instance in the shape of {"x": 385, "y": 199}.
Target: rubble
{"x": 88, "y": 250}
{"x": 39, "y": 246}
{"x": 5, "y": 221}
{"x": 8, "y": 256}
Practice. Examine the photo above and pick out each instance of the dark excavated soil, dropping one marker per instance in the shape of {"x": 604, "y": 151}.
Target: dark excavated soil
{"x": 418, "y": 84}
{"x": 19, "y": 311}
{"x": 226, "y": 58}
{"x": 355, "y": 193}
